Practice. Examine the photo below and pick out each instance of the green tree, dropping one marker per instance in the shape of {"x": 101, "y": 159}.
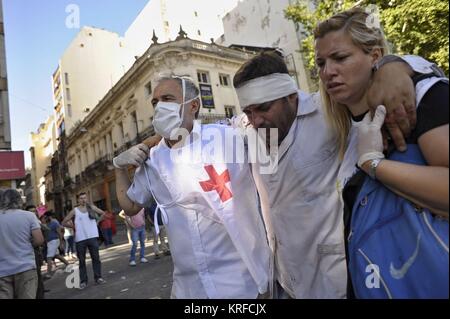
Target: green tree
{"x": 412, "y": 27}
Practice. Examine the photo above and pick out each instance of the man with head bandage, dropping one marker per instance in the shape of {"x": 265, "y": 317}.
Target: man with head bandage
{"x": 301, "y": 208}
{"x": 298, "y": 202}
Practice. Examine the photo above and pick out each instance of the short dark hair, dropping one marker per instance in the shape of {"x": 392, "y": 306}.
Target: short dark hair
{"x": 265, "y": 63}
{"x": 10, "y": 198}
{"x": 82, "y": 193}
{"x": 50, "y": 213}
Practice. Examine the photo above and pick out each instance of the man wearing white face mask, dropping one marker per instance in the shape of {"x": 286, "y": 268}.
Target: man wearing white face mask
{"x": 209, "y": 207}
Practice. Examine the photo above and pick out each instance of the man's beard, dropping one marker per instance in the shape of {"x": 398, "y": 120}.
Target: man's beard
{"x": 264, "y": 131}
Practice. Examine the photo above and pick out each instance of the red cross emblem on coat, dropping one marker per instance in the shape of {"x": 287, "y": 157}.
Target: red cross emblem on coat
{"x": 217, "y": 183}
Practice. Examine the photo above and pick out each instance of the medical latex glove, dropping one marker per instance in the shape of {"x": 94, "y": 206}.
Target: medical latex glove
{"x": 370, "y": 140}
{"x": 134, "y": 156}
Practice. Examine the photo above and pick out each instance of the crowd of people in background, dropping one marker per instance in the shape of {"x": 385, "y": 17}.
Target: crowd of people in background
{"x": 32, "y": 243}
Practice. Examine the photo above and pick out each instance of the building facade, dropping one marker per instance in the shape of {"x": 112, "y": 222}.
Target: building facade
{"x": 123, "y": 117}
{"x": 43, "y": 143}
{"x": 94, "y": 61}
{"x": 28, "y": 189}
{"x": 261, "y": 23}
{"x": 5, "y": 125}
{"x": 201, "y": 19}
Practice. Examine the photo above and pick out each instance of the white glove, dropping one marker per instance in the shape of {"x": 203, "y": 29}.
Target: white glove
{"x": 370, "y": 140}
{"x": 134, "y": 156}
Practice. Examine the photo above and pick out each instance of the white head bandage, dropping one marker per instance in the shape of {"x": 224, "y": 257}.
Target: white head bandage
{"x": 265, "y": 88}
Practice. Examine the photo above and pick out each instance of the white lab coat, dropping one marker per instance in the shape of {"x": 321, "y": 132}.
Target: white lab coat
{"x": 219, "y": 248}
{"x": 302, "y": 210}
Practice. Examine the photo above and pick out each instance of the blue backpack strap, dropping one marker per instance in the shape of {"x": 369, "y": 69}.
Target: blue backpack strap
{"x": 397, "y": 250}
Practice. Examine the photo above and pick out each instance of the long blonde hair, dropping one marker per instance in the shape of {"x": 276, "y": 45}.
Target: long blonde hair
{"x": 355, "y": 23}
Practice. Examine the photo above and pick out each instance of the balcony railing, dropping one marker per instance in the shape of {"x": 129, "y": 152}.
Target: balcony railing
{"x": 98, "y": 168}
{"x": 58, "y": 107}
{"x": 56, "y": 74}
{"x": 57, "y": 88}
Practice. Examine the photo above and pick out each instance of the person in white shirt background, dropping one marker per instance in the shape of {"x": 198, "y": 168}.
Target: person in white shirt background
{"x": 86, "y": 237}
{"x": 20, "y": 231}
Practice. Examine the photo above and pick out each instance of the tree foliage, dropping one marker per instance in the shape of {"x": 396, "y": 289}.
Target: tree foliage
{"x": 417, "y": 27}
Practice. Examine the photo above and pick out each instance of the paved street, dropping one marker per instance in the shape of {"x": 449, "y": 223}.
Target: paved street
{"x": 145, "y": 281}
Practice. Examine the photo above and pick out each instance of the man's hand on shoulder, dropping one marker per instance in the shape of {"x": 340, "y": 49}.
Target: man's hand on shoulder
{"x": 393, "y": 87}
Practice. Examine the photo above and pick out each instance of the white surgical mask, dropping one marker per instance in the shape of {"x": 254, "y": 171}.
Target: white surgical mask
{"x": 167, "y": 117}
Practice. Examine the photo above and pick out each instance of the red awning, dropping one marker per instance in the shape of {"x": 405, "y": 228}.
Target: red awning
{"x": 12, "y": 165}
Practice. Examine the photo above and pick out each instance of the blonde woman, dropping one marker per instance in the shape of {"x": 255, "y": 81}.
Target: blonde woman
{"x": 346, "y": 52}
